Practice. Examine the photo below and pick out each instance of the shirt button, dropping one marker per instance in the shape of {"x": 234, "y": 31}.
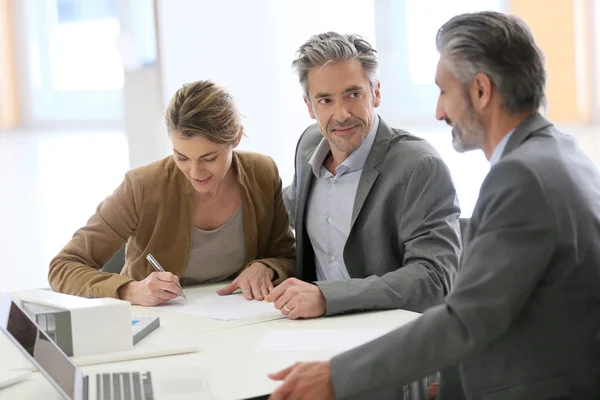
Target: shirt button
{"x": 332, "y": 258}
{"x": 329, "y": 219}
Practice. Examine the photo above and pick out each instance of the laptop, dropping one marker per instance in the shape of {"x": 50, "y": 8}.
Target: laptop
{"x": 70, "y": 381}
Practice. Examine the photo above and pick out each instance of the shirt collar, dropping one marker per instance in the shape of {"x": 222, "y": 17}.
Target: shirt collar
{"x": 355, "y": 162}
{"x": 497, "y": 153}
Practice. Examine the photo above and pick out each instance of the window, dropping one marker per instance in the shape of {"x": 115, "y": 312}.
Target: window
{"x": 406, "y": 31}
{"x": 406, "y": 37}
{"x": 75, "y": 70}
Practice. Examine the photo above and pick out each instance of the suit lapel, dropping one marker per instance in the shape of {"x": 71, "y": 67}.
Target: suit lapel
{"x": 367, "y": 179}
{"x": 370, "y": 172}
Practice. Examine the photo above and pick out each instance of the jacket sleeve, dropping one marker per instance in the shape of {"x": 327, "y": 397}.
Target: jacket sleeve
{"x": 281, "y": 247}
{"x": 75, "y": 270}
{"x": 507, "y": 257}
{"x": 289, "y": 200}
{"x": 429, "y": 234}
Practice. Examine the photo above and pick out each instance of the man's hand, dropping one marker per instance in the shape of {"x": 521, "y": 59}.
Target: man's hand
{"x": 254, "y": 281}
{"x": 157, "y": 288}
{"x": 298, "y": 299}
{"x": 310, "y": 381}
{"x": 432, "y": 391}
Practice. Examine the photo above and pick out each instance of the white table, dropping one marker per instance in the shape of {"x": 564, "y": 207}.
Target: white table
{"x": 229, "y": 356}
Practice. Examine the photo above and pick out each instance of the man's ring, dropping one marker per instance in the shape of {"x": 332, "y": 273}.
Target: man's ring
{"x": 286, "y": 309}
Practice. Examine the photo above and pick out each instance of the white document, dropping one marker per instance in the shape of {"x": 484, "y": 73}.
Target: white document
{"x": 318, "y": 339}
{"x": 224, "y": 308}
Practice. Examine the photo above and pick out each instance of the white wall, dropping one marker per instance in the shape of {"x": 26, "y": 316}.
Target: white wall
{"x": 248, "y": 47}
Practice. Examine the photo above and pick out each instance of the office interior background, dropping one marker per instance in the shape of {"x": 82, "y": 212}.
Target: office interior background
{"x": 84, "y": 84}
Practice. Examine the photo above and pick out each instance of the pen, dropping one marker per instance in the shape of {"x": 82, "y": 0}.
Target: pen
{"x": 157, "y": 267}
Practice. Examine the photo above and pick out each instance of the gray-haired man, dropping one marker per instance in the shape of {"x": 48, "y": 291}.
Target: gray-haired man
{"x": 374, "y": 208}
{"x": 523, "y": 319}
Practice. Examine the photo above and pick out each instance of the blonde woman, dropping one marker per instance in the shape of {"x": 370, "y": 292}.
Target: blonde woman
{"x": 207, "y": 213}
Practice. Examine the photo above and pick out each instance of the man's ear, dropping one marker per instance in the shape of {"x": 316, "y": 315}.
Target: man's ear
{"x": 309, "y": 105}
{"x": 377, "y": 95}
{"x": 481, "y": 91}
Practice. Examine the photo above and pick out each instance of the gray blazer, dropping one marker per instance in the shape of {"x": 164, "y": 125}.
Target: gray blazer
{"x": 404, "y": 243}
{"x": 523, "y": 319}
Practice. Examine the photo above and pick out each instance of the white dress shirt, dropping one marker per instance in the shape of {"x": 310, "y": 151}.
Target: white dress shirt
{"x": 330, "y": 204}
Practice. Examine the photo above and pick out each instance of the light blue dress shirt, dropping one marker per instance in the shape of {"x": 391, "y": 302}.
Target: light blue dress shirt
{"x": 497, "y": 153}
{"x": 330, "y": 204}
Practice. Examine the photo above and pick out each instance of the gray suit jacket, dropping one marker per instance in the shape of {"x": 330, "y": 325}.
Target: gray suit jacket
{"x": 523, "y": 318}
{"x": 403, "y": 247}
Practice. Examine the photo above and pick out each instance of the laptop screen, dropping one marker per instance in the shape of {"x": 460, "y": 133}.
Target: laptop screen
{"x": 39, "y": 348}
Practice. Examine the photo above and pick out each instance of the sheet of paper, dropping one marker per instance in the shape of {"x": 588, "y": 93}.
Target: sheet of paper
{"x": 317, "y": 339}
{"x": 224, "y": 308}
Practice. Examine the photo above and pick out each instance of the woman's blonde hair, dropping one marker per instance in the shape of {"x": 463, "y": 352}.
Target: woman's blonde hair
{"x": 203, "y": 108}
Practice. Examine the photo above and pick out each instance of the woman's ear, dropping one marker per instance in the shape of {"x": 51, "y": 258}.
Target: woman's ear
{"x": 239, "y": 137}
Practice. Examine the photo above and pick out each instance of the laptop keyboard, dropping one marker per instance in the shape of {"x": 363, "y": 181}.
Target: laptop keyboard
{"x": 124, "y": 386}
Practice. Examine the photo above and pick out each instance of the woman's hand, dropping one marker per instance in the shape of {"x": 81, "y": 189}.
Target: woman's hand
{"x": 157, "y": 288}
{"x": 254, "y": 281}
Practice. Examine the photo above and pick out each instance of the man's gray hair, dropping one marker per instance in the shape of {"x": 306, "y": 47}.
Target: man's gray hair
{"x": 503, "y": 48}
{"x": 332, "y": 47}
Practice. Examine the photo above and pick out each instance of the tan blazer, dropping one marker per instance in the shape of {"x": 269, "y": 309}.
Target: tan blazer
{"x": 152, "y": 211}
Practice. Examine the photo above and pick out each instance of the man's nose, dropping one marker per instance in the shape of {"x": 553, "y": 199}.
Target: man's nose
{"x": 341, "y": 113}
{"x": 440, "y": 114}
